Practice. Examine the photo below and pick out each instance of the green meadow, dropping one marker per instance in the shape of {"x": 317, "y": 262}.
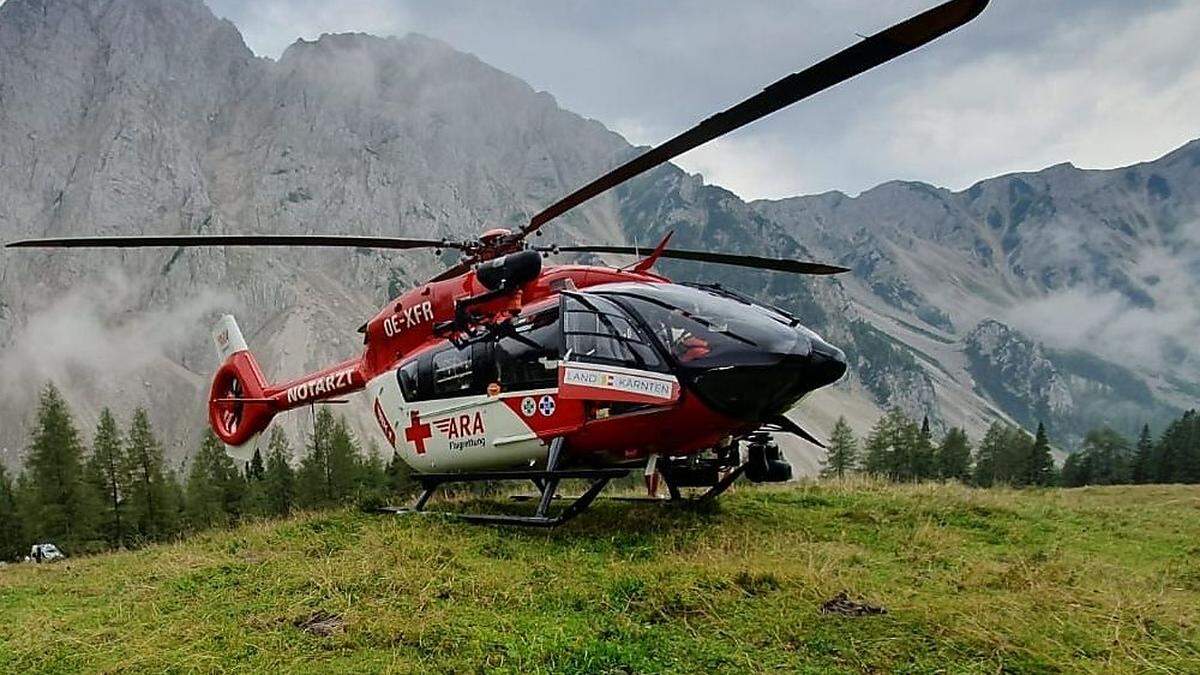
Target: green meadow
{"x": 1048, "y": 580}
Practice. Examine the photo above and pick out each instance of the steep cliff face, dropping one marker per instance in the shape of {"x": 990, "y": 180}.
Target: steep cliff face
{"x": 128, "y": 116}
{"x": 152, "y": 116}
{"x": 1015, "y": 372}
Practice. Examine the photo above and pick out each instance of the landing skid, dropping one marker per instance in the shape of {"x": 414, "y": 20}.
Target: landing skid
{"x": 546, "y": 481}
{"x": 676, "y": 496}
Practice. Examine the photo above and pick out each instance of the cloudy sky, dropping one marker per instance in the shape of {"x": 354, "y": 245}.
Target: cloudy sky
{"x": 1099, "y": 83}
{"x": 1031, "y": 83}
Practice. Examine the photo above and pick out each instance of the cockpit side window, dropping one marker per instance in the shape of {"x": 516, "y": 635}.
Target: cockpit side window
{"x": 597, "y": 330}
{"x": 523, "y": 360}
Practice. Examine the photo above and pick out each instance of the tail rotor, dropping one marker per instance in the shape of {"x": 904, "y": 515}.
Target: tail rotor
{"x": 237, "y": 407}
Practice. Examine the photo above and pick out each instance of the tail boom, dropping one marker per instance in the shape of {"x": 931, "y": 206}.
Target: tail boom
{"x": 241, "y": 403}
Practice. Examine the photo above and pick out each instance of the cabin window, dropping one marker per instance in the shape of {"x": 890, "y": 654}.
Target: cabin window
{"x": 452, "y": 373}
{"x": 447, "y": 372}
{"x": 528, "y": 359}
{"x": 407, "y": 376}
{"x": 596, "y": 330}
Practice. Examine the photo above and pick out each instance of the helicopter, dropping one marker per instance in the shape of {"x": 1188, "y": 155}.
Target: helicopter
{"x": 505, "y": 368}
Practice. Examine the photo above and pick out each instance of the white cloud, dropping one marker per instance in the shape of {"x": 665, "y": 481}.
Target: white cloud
{"x": 269, "y": 26}
{"x": 90, "y": 333}
{"x": 1106, "y": 322}
{"x": 1100, "y": 103}
{"x": 765, "y": 166}
{"x": 1029, "y": 84}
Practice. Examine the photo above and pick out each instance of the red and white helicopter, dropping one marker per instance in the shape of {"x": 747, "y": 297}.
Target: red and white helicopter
{"x": 500, "y": 368}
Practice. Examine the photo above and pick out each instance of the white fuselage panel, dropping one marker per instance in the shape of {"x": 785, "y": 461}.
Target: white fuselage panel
{"x": 468, "y": 433}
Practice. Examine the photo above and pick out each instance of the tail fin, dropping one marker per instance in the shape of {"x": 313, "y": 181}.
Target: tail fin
{"x": 238, "y": 408}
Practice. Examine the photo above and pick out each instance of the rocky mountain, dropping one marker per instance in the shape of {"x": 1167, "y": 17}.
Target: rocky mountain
{"x": 1014, "y": 371}
{"x": 1066, "y": 295}
{"x": 152, "y": 116}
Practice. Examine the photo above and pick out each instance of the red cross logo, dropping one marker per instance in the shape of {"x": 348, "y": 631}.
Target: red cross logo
{"x": 417, "y": 432}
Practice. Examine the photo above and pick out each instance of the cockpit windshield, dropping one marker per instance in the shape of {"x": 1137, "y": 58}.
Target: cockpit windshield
{"x": 705, "y": 327}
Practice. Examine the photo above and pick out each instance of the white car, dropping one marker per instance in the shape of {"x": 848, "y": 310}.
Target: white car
{"x": 44, "y": 553}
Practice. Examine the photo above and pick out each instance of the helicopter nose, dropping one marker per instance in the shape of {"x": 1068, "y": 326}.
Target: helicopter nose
{"x": 826, "y": 364}
{"x": 759, "y": 389}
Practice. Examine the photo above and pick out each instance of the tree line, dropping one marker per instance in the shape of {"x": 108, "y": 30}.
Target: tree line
{"x": 901, "y": 450}
{"x": 121, "y": 492}
{"x": 1108, "y": 458}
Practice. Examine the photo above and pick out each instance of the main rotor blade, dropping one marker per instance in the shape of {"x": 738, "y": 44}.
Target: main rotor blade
{"x": 870, "y": 52}
{"x": 139, "y": 241}
{"x": 776, "y": 264}
{"x": 461, "y": 267}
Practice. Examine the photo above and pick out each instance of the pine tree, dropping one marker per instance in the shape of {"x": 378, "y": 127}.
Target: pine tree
{"x": 25, "y": 494}
{"x": 372, "y": 476}
{"x": 877, "y": 450}
{"x": 881, "y": 451}
{"x": 12, "y": 531}
{"x": 280, "y": 480}
{"x": 63, "y": 504}
{"x": 842, "y": 454}
{"x": 108, "y": 472}
{"x": 953, "y": 457}
{"x": 1177, "y": 453}
{"x": 1039, "y": 466}
{"x": 1108, "y": 455}
{"x": 147, "y": 486}
{"x": 175, "y": 501}
{"x": 910, "y": 450}
{"x": 1164, "y": 467}
{"x": 1190, "y": 441}
{"x": 328, "y": 472}
{"x": 1012, "y": 463}
{"x": 255, "y": 502}
{"x": 313, "y": 477}
{"x": 202, "y": 495}
{"x": 256, "y": 470}
{"x": 1075, "y": 471}
{"x": 922, "y": 464}
{"x": 898, "y": 449}
{"x": 343, "y": 461}
{"x": 1143, "y": 457}
{"x": 215, "y": 488}
{"x": 988, "y": 455}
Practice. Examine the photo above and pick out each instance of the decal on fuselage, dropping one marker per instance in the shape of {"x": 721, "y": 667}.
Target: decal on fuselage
{"x": 408, "y": 317}
{"x": 613, "y": 383}
{"x": 385, "y": 425}
{"x": 321, "y": 385}
{"x": 463, "y": 430}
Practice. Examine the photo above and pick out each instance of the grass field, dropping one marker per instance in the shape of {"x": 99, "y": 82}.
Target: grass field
{"x": 1101, "y": 579}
